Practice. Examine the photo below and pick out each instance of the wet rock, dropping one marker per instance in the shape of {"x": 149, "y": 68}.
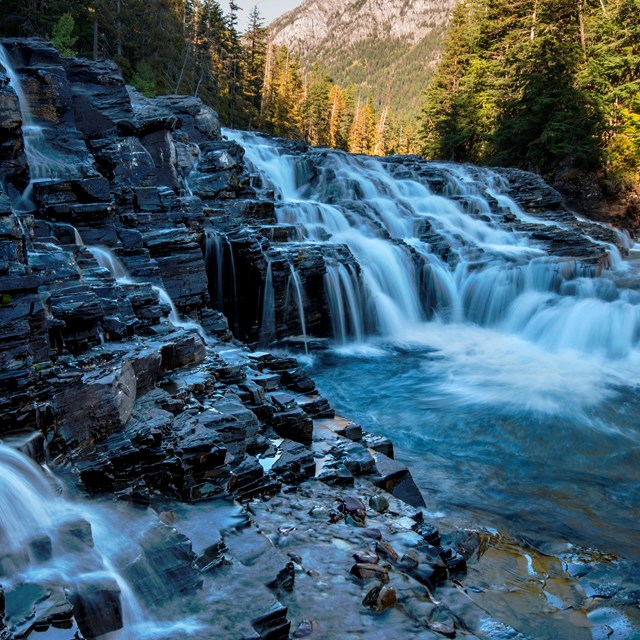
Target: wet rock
{"x": 379, "y": 503}
{"x": 76, "y": 536}
{"x": 454, "y": 561}
{"x": 97, "y": 607}
{"x": 34, "y": 608}
{"x": 366, "y": 557}
{"x": 356, "y": 458}
{"x": 182, "y": 351}
{"x": 370, "y": 572}
{"x": 395, "y": 478}
{"x": 294, "y": 425}
{"x": 285, "y": 579}
{"x": 295, "y": 464}
{"x": 380, "y": 597}
{"x": 166, "y": 567}
{"x": 353, "y": 432}
{"x": 40, "y": 548}
{"x": 428, "y": 532}
{"x": 304, "y": 629}
{"x": 380, "y": 444}
{"x": 100, "y": 405}
{"x": 338, "y": 476}
{"x": 385, "y": 550}
{"x": 273, "y": 625}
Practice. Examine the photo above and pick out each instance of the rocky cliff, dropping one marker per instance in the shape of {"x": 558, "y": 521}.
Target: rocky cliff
{"x": 119, "y": 266}
{"x": 386, "y": 47}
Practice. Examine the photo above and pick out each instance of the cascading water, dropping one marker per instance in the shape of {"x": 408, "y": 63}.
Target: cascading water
{"x": 222, "y": 273}
{"x": 109, "y": 261}
{"x": 87, "y": 543}
{"x": 44, "y": 163}
{"x": 498, "y": 273}
{"x": 294, "y": 294}
{"x": 505, "y": 373}
{"x": 268, "y": 321}
{"x": 30, "y": 507}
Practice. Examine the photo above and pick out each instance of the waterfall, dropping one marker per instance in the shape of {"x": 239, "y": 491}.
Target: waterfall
{"x": 268, "y": 320}
{"x": 44, "y": 163}
{"x": 30, "y": 507}
{"x": 221, "y": 272}
{"x": 108, "y": 260}
{"x": 294, "y": 288}
{"x": 450, "y": 256}
{"x": 344, "y": 298}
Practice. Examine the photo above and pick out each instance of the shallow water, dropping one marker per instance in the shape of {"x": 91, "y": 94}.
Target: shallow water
{"x": 500, "y": 433}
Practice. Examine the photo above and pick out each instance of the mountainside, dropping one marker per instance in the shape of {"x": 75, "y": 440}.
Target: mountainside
{"x": 387, "y": 47}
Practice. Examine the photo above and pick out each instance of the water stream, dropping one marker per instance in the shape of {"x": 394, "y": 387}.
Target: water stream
{"x": 507, "y": 377}
{"x": 109, "y": 261}
{"x": 44, "y": 163}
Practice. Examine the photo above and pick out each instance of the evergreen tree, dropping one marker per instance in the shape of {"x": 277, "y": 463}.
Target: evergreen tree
{"x": 62, "y": 35}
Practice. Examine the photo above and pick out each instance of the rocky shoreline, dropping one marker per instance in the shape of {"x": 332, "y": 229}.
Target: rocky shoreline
{"x": 132, "y": 365}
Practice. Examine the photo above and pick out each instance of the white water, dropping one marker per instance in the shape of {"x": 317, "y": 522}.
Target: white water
{"x": 268, "y": 322}
{"x": 108, "y": 260}
{"x": 494, "y": 278}
{"x": 294, "y": 290}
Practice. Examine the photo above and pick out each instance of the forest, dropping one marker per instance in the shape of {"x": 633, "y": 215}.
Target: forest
{"x": 551, "y": 86}
{"x": 195, "y": 47}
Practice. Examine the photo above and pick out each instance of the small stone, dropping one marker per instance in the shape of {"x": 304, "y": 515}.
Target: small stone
{"x": 410, "y": 559}
{"x": 352, "y": 504}
{"x": 41, "y": 548}
{"x": 305, "y": 629}
{"x": 366, "y": 557}
{"x": 379, "y": 503}
{"x": 285, "y": 578}
{"x": 385, "y": 550}
{"x": 369, "y": 572}
{"x": 381, "y": 597}
{"x": 374, "y": 534}
{"x": 443, "y": 628}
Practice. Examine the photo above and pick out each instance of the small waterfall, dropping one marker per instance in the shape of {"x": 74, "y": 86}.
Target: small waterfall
{"x": 108, "y": 260}
{"x": 215, "y": 255}
{"x": 222, "y": 281}
{"x": 78, "y": 238}
{"x": 294, "y": 288}
{"x": 345, "y": 306}
{"x": 29, "y": 507}
{"x": 44, "y": 163}
{"x": 268, "y": 320}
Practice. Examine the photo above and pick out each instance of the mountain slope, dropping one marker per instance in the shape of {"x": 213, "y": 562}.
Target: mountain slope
{"x": 386, "y": 47}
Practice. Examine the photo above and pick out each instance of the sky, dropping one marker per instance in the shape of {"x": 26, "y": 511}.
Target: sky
{"x": 270, "y": 9}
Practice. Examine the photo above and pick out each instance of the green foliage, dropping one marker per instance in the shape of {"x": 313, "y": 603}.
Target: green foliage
{"x": 143, "y": 79}
{"x": 548, "y": 85}
{"x": 5, "y": 299}
{"x": 62, "y": 35}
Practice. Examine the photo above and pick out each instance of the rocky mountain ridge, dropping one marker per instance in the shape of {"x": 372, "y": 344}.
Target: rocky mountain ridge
{"x": 367, "y": 42}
